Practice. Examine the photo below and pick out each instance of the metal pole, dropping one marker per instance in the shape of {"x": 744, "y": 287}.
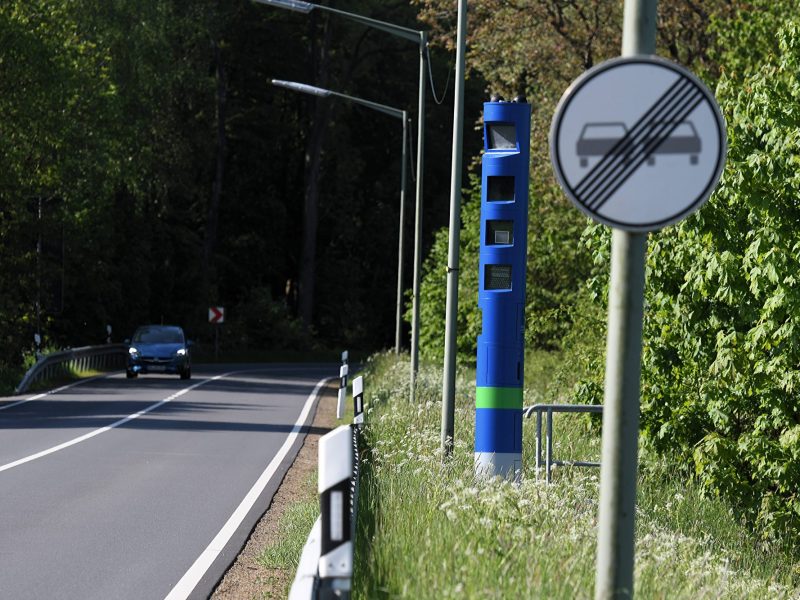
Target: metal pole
{"x": 398, "y": 316}
{"x": 538, "y": 442}
{"x": 619, "y": 458}
{"x": 549, "y": 450}
{"x": 451, "y": 307}
{"x": 423, "y": 43}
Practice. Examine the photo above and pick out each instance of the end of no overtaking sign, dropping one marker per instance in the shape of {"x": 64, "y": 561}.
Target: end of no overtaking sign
{"x": 638, "y": 143}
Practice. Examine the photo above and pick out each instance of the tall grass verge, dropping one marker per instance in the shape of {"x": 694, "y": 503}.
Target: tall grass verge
{"x": 431, "y": 530}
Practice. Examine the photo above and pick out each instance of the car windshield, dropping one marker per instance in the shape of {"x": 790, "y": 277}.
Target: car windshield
{"x": 683, "y": 129}
{"x": 597, "y": 131}
{"x": 158, "y": 335}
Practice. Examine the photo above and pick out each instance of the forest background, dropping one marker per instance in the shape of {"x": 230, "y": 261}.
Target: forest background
{"x": 149, "y": 171}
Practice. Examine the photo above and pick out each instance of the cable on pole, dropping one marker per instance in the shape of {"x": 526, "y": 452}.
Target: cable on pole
{"x": 430, "y": 77}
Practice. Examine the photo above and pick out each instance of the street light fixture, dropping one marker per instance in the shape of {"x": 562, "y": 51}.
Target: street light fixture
{"x": 420, "y": 37}
{"x": 392, "y": 112}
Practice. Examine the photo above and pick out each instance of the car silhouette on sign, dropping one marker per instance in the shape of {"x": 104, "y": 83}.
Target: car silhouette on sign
{"x": 599, "y": 139}
{"x": 682, "y": 140}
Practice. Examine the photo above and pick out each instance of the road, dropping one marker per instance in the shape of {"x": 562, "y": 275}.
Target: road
{"x": 144, "y": 488}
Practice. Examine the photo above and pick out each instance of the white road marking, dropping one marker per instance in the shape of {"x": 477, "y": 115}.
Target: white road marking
{"x": 55, "y": 391}
{"x": 113, "y": 425}
{"x": 192, "y": 577}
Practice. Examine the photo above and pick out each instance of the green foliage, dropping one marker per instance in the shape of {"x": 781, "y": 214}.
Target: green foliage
{"x": 110, "y": 145}
{"x": 262, "y": 322}
{"x": 285, "y": 550}
{"x": 538, "y": 48}
{"x": 721, "y": 354}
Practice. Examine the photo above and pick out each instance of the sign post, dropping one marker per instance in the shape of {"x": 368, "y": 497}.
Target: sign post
{"x": 637, "y": 143}
{"x": 216, "y": 316}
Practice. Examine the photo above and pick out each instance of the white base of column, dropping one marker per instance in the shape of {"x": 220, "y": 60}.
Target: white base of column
{"x": 503, "y": 464}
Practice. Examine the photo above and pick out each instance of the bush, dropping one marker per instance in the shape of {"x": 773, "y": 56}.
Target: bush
{"x": 722, "y": 351}
{"x": 260, "y": 322}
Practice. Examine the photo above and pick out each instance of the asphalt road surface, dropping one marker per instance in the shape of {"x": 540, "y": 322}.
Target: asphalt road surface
{"x": 144, "y": 488}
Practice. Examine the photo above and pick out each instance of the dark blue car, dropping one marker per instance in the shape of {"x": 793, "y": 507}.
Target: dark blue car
{"x": 159, "y": 349}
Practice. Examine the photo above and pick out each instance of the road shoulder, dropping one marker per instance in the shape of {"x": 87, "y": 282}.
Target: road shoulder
{"x": 247, "y": 577}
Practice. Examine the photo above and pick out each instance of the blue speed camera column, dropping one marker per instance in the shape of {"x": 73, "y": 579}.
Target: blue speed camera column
{"x": 501, "y": 295}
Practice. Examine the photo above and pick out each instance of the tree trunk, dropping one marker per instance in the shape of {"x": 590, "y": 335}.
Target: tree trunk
{"x": 313, "y": 158}
{"x": 212, "y": 219}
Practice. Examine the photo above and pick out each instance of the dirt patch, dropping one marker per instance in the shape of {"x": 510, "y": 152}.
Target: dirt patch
{"x": 247, "y": 578}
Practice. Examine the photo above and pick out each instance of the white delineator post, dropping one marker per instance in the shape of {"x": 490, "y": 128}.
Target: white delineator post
{"x": 358, "y": 400}
{"x": 335, "y": 474}
{"x": 342, "y": 391}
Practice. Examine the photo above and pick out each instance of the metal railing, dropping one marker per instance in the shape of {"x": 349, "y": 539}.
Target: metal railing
{"x": 74, "y": 360}
{"x": 549, "y": 409}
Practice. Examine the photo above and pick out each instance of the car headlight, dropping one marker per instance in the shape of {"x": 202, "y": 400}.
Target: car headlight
{"x": 181, "y": 352}
{"x": 132, "y": 351}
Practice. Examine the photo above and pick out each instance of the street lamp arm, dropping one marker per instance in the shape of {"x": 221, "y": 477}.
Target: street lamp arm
{"x": 387, "y": 110}
{"x": 307, "y": 7}
{"x": 403, "y": 32}
{"x": 295, "y": 5}
{"x": 301, "y": 87}
{"x": 323, "y": 93}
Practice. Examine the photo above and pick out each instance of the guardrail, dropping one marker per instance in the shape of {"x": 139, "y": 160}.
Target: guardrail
{"x": 549, "y": 409}
{"x": 100, "y": 358}
{"x": 325, "y": 570}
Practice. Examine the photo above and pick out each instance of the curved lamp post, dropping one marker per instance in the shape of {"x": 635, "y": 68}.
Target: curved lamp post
{"x": 392, "y": 112}
{"x": 420, "y": 37}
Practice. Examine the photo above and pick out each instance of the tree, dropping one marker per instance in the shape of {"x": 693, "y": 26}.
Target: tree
{"x": 721, "y": 353}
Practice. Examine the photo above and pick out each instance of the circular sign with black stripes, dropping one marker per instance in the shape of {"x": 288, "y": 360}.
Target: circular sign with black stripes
{"x": 638, "y": 143}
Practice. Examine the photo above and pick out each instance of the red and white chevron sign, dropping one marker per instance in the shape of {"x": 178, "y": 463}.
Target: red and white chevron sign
{"x": 216, "y": 314}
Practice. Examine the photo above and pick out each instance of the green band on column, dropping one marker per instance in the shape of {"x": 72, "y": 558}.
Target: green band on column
{"x": 498, "y": 397}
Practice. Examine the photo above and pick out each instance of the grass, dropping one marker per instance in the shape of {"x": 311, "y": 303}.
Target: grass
{"x": 428, "y": 530}
{"x": 284, "y": 552}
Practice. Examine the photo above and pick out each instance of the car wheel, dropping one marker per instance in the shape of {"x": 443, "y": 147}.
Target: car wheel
{"x": 131, "y": 374}
{"x": 186, "y": 373}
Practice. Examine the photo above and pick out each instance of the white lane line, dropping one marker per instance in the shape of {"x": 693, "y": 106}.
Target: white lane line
{"x": 97, "y": 432}
{"x": 192, "y": 577}
{"x": 55, "y": 391}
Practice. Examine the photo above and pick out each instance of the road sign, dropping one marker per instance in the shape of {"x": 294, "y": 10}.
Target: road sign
{"x": 216, "y": 314}
{"x": 638, "y": 143}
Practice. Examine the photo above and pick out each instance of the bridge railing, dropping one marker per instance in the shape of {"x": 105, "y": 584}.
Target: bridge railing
{"x": 74, "y": 360}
